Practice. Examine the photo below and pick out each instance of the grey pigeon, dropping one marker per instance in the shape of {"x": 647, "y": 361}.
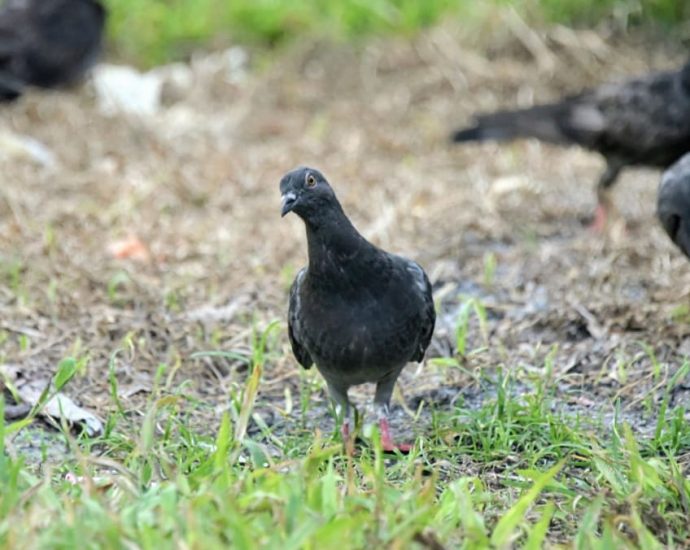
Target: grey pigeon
{"x": 639, "y": 122}
{"x": 673, "y": 203}
{"x": 47, "y": 43}
{"x": 357, "y": 312}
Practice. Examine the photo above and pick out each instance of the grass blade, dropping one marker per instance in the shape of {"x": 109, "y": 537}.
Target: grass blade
{"x": 503, "y": 533}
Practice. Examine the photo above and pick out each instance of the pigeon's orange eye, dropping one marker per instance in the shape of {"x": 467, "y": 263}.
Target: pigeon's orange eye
{"x": 311, "y": 180}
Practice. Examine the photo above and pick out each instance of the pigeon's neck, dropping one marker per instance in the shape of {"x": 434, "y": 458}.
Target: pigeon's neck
{"x": 334, "y": 243}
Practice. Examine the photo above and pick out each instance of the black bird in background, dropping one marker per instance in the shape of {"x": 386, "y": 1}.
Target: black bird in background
{"x": 639, "y": 122}
{"x": 359, "y": 313}
{"x": 47, "y": 43}
{"x": 673, "y": 203}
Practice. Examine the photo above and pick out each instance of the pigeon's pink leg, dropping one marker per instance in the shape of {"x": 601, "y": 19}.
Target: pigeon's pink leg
{"x": 345, "y": 430}
{"x": 384, "y": 390}
{"x": 387, "y": 441}
{"x": 348, "y": 439}
{"x": 343, "y": 410}
{"x": 604, "y": 202}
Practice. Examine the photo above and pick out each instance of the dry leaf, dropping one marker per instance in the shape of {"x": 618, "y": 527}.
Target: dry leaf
{"x": 130, "y": 248}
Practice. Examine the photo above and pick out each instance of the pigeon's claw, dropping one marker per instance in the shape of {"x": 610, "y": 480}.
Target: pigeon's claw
{"x": 387, "y": 441}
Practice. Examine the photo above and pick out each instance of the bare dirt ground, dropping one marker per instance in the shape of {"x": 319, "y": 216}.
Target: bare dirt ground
{"x": 197, "y": 183}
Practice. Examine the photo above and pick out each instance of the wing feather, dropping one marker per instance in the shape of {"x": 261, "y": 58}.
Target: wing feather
{"x": 423, "y": 287}
{"x": 294, "y": 324}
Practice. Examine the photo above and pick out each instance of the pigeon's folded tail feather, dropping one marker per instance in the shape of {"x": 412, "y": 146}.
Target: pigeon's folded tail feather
{"x": 537, "y": 122}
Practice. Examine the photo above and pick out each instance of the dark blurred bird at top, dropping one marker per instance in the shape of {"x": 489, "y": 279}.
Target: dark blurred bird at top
{"x": 673, "y": 203}
{"x": 639, "y": 122}
{"x": 47, "y": 43}
{"x": 359, "y": 313}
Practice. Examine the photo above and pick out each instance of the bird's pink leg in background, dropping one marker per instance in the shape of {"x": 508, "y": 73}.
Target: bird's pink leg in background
{"x": 598, "y": 225}
{"x": 604, "y": 201}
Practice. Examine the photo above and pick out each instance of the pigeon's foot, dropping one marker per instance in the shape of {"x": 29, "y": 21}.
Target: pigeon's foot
{"x": 607, "y": 221}
{"x": 387, "y": 441}
{"x": 601, "y": 215}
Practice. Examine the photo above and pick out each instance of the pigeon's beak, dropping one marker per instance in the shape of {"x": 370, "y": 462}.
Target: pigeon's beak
{"x": 287, "y": 202}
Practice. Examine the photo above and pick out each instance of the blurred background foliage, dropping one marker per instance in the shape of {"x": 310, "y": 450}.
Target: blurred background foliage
{"x": 154, "y": 31}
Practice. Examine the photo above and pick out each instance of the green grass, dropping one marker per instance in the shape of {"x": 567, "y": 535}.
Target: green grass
{"x": 515, "y": 470}
{"x": 159, "y": 30}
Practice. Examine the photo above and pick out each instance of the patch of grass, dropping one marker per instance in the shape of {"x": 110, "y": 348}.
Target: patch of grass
{"x": 589, "y": 11}
{"x": 513, "y": 471}
{"x": 159, "y": 30}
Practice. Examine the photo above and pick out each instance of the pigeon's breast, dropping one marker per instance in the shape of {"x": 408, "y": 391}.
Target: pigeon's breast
{"x": 362, "y": 340}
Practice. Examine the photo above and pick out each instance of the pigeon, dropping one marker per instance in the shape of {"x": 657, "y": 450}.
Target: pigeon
{"x": 47, "y": 43}
{"x": 673, "y": 203}
{"x": 358, "y": 313}
{"x": 639, "y": 122}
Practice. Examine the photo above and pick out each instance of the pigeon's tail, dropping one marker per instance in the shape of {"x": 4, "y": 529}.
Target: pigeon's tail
{"x": 473, "y": 133}
{"x": 539, "y": 122}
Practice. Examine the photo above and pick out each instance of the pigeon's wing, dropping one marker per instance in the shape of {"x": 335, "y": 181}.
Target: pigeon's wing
{"x": 422, "y": 287}
{"x": 294, "y": 323}
{"x": 673, "y": 203}
{"x": 645, "y": 120}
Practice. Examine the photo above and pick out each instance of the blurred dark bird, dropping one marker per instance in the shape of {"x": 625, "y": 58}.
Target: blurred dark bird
{"x": 640, "y": 122}
{"x": 359, "y": 313}
{"x": 47, "y": 43}
{"x": 673, "y": 203}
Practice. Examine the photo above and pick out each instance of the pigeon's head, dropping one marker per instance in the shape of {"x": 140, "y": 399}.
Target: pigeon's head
{"x": 673, "y": 203}
{"x": 307, "y": 193}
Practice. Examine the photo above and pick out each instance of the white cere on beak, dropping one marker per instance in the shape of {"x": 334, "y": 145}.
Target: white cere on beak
{"x": 289, "y": 196}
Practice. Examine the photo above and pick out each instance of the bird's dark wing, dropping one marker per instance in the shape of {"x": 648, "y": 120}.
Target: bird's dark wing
{"x": 646, "y": 120}
{"x": 294, "y": 323}
{"x": 422, "y": 288}
{"x": 673, "y": 203}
